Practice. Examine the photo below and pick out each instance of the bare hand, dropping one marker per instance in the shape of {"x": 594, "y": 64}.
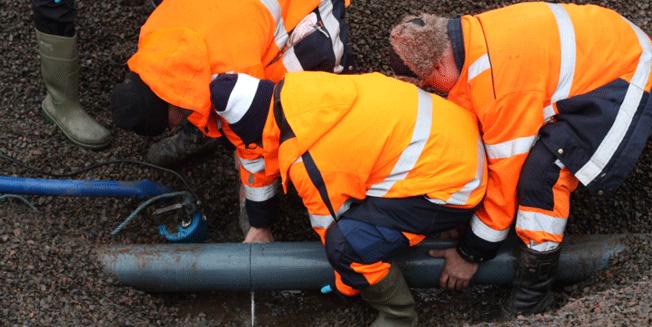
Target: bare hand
{"x": 259, "y": 235}
{"x": 457, "y": 272}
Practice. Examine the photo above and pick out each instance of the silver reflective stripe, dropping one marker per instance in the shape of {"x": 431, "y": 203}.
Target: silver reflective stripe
{"x": 253, "y": 166}
{"x": 626, "y": 112}
{"x": 510, "y": 148}
{"x": 323, "y": 221}
{"x": 460, "y": 197}
{"x": 548, "y": 113}
{"x": 478, "y": 66}
{"x": 538, "y": 222}
{"x": 412, "y": 152}
{"x": 567, "y": 56}
{"x": 262, "y": 193}
{"x": 481, "y": 230}
{"x": 333, "y": 27}
{"x": 543, "y": 246}
{"x": 291, "y": 61}
{"x": 280, "y": 34}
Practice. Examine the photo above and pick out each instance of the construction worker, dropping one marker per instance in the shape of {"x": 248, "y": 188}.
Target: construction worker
{"x": 562, "y": 93}
{"x": 379, "y": 163}
{"x": 269, "y": 28}
{"x": 57, "y": 46}
{"x": 184, "y": 44}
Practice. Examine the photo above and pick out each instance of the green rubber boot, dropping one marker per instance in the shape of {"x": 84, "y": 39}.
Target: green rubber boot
{"x": 60, "y": 71}
{"x": 393, "y": 300}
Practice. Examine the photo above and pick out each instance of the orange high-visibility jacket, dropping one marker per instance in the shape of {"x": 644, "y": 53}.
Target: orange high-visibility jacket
{"x": 519, "y": 62}
{"x": 183, "y": 43}
{"x": 371, "y": 135}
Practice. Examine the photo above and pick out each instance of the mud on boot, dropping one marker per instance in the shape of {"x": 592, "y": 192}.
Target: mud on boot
{"x": 173, "y": 150}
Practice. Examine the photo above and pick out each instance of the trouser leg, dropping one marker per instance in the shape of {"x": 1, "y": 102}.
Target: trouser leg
{"x": 360, "y": 253}
{"x": 55, "y": 17}
{"x": 544, "y": 202}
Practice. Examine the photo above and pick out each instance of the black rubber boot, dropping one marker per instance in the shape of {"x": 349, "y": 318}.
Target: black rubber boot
{"x": 393, "y": 300}
{"x": 175, "y": 149}
{"x": 531, "y": 288}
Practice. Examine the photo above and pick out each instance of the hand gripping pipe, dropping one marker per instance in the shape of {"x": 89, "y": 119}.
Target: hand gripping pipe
{"x": 303, "y": 265}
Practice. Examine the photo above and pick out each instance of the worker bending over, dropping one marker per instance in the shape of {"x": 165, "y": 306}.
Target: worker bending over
{"x": 184, "y": 44}
{"x": 562, "y": 93}
{"x": 379, "y": 163}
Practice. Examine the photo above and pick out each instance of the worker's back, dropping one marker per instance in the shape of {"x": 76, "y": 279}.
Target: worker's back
{"x": 377, "y": 136}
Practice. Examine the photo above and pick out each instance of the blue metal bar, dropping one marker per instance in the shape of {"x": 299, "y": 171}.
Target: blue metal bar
{"x": 86, "y": 188}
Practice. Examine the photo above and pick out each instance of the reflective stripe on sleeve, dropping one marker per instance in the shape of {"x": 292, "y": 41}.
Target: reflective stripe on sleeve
{"x": 510, "y": 148}
{"x": 487, "y": 233}
{"x": 539, "y": 222}
{"x": 261, "y": 193}
{"x": 626, "y": 112}
{"x": 412, "y": 152}
{"x": 253, "y": 166}
{"x": 479, "y": 66}
{"x": 280, "y": 34}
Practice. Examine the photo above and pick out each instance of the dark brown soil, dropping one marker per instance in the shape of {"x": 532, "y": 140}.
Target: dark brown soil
{"x": 48, "y": 273}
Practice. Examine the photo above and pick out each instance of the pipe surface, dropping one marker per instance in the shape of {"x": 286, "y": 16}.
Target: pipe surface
{"x": 73, "y": 187}
{"x": 303, "y": 265}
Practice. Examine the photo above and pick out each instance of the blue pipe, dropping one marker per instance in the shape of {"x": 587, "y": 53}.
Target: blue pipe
{"x": 86, "y": 188}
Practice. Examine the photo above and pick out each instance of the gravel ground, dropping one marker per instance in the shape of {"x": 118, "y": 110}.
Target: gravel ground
{"x": 48, "y": 273}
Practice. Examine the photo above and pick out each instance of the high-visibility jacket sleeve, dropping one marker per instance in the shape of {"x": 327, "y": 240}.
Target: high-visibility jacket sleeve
{"x": 261, "y": 199}
{"x": 508, "y": 139}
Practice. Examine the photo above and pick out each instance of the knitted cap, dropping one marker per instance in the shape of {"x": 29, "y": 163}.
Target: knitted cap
{"x": 136, "y": 108}
{"x": 243, "y": 101}
{"x": 418, "y": 41}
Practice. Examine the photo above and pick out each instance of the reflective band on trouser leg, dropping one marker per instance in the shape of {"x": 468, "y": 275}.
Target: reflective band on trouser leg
{"x": 626, "y": 113}
{"x": 543, "y": 230}
{"x": 412, "y": 152}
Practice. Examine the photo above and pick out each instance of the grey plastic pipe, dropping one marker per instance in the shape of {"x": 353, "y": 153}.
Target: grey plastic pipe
{"x": 303, "y": 265}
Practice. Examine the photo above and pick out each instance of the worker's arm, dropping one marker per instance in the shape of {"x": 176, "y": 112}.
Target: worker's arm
{"x": 510, "y": 128}
{"x": 261, "y": 190}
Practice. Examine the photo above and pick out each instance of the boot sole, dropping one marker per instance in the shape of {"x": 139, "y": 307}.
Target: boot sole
{"x": 51, "y": 120}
